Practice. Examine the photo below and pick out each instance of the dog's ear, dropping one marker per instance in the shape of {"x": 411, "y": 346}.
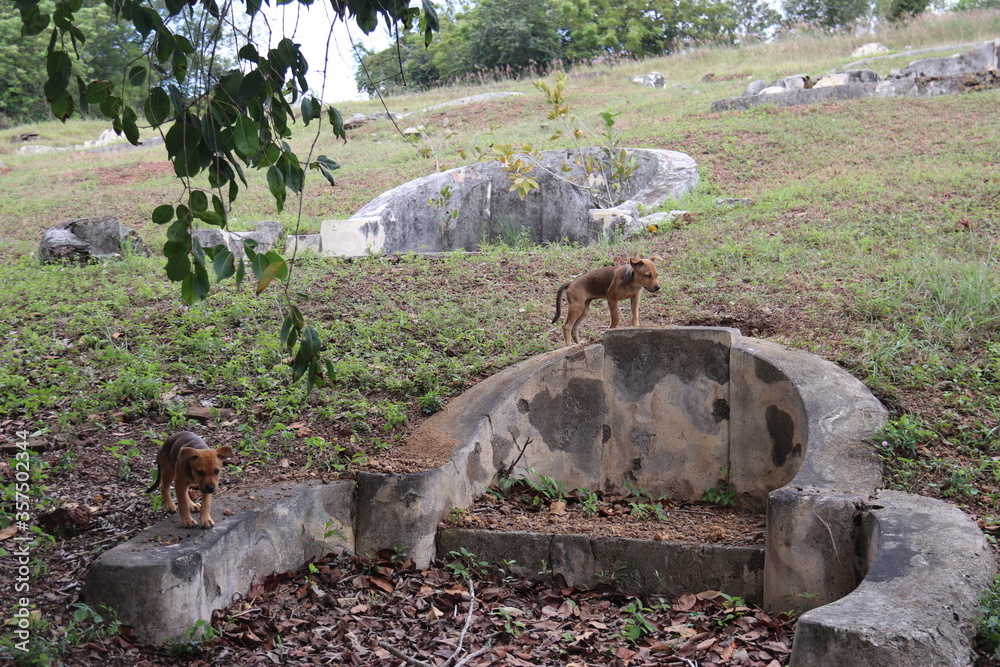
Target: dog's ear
{"x": 187, "y": 453}
{"x": 224, "y": 452}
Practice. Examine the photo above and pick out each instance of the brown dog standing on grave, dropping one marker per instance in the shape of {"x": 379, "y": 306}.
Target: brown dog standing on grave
{"x": 187, "y": 461}
{"x": 614, "y": 283}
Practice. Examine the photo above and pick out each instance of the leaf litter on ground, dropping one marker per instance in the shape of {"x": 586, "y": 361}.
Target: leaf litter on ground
{"x": 345, "y": 609}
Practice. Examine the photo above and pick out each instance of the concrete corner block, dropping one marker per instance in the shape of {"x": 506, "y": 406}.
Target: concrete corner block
{"x": 304, "y": 243}
{"x": 812, "y": 539}
{"x": 354, "y": 237}
{"x": 916, "y": 605}
{"x": 168, "y": 578}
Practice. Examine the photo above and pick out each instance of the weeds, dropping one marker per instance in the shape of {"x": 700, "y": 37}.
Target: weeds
{"x": 988, "y": 616}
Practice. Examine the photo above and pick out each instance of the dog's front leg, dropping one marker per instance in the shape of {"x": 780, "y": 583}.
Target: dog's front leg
{"x": 206, "y": 511}
{"x": 184, "y": 507}
{"x": 635, "y": 310}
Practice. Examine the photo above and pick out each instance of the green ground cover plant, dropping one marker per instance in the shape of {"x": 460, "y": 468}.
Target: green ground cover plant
{"x": 871, "y": 241}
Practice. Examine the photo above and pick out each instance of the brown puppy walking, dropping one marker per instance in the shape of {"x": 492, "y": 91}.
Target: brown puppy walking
{"x": 614, "y": 283}
{"x": 187, "y": 461}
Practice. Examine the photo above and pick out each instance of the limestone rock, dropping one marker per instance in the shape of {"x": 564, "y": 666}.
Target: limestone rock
{"x": 266, "y": 235}
{"x": 651, "y": 80}
{"x": 81, "y": 239}
{"x": 869, "y": 49}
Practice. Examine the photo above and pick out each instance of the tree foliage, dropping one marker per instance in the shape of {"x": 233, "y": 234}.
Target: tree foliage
{"x": 827, "y": 14}
{"x": 517, "y": 37}
{"x": 214, "y": 122}
{"x": 111, "y": 46}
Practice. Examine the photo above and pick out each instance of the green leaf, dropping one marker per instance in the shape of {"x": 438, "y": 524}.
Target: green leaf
{"x": 196, "y": 286}
{"x": 246, "y": 133}
{"x": 270, "y": 271}
{"x": 157, "y": 107}
{"x": 337, "y": 121}
{"x": 62, "y": 106}
{"x": 249, "y": 52}
{"x": 276, "y": 184}
{"x": 271, "y": 257}
{"x": 211, "y": 217}
{"x": 33, "y": 22}
{"x": 224, "y": 264}
{"x": 178, "y": 267}
{"x": 163, "y": 46}
{"x": 129, "y": 125}
{"x": 241, "y": 271}
{"x": 179, "y": 230}
{"x": 163, "y": 214}
{"x": 250, "y": 85}
{"x": 183, "y": 142}
{"x": 198, "y": 201}
{"x": 197, "y": 252}
{"x": 137, "y": 76}
{"x": 58, "y": 62}
{"x": 98, "y": 91}
{"x": 112, "y": 106}
{"x": 306, "y": 109}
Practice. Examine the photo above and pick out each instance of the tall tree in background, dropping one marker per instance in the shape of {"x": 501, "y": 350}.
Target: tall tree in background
{"x": 106, "y": 55}
{"x": 517, "y": 36}
{"x": 827, "y": 14}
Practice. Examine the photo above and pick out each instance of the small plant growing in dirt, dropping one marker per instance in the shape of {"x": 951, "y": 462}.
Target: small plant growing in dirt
{"x": 720, "y": 494}
{"x": 636, "y": 625}
{"x": 192, "y": 643}
{"x": 467, "y": 565}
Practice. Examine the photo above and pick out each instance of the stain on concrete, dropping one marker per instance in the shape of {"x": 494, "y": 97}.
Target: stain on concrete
{"x": 186, "y": 568}
{"x": 502, "y": 448}
{"x": 767, "y": 373}
{"x": 720, "y": 410}
{"x": 634, "y": 358}
{"x": 781, "y": 428}
{"x": 642, "y": 438}
{"x": 571, "y": 420}
{"x": 522, "y": 406}
{"x": 605, "y": 433}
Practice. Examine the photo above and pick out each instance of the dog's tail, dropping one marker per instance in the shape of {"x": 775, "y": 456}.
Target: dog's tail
{"x": 559, "y": 302}
{"x": 156, "y": 479}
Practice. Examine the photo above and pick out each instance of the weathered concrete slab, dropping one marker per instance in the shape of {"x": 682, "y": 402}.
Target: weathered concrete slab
{"x": 638, "y": 567}
{"x": 915, "y": 608}
{"x": 166, "y": 579}
{"x": 303, "y": 243}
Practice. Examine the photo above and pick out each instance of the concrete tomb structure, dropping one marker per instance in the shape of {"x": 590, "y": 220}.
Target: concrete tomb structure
{"x": 890, "y": 578}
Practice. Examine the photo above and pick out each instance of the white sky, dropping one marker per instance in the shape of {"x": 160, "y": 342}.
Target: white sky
{"x": 310, "y": 27}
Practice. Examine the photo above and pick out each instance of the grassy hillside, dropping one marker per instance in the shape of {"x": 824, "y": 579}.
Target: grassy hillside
{"x": 872, "y": 242}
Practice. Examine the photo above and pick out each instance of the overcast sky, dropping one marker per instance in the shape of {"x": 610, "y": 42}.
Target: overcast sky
{"x": 310, "y": 27}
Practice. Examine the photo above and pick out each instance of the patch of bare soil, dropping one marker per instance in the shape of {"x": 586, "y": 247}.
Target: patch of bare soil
{"x": 525, "y": 505}
{"x": 133, "y": 173}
